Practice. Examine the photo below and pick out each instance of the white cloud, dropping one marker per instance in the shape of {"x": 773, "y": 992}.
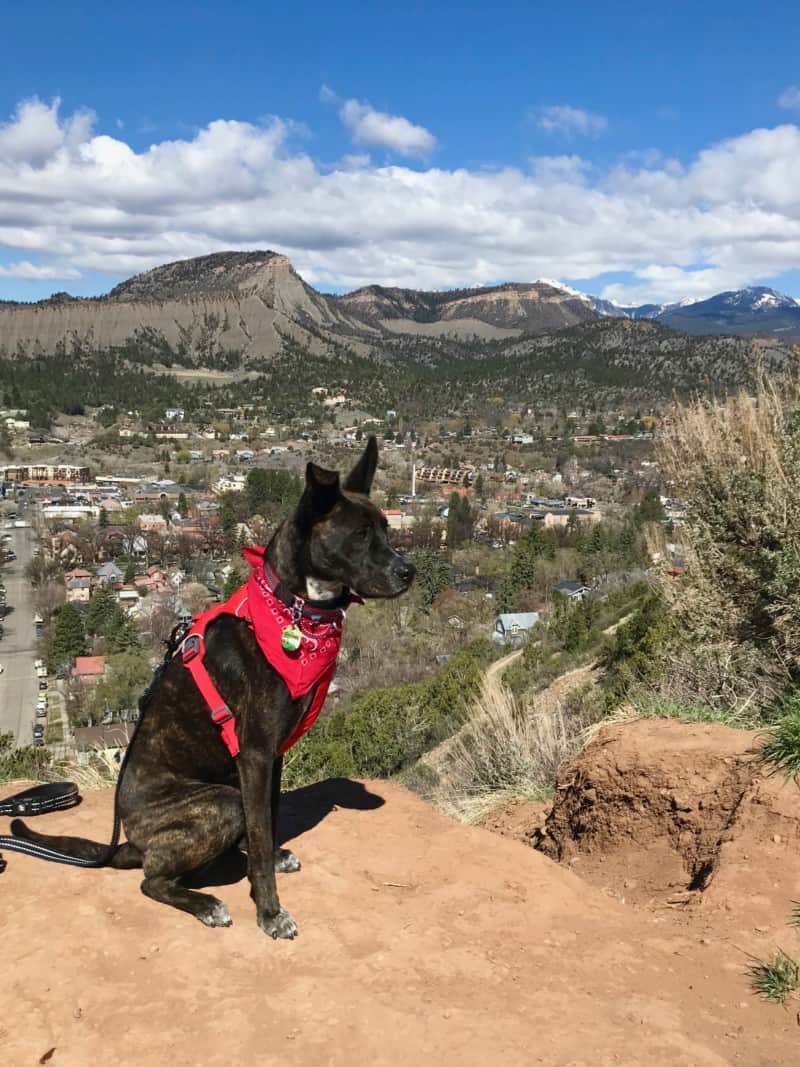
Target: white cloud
{"x": 77, "y": 201}
{"x": 33, "y": 272}
{"x": 370, "y": 127}
{"x": 790, "y": 98}
{"x": 569, "y": 121}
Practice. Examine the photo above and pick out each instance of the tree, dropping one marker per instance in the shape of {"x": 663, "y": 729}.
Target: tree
{"x": 130, "y": 572}
{"x": 480, "y": 489}
{"x": 650, "y": 508}
{"x": 183, "y": 505}
{"x": 101, "y": 611}
{"x": 234, "y": 580}
{"x": 69, "y": 637}
{"x": 122, "y": 634}
{"x": 102, "y": 520}
{"x": 433, "y": 576}
{"x": 460, "y": 521}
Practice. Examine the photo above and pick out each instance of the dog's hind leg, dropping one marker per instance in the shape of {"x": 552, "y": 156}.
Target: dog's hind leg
{"x": 194, "y": 831}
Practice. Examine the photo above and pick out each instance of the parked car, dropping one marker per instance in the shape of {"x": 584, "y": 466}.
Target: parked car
{"x": 41, "y": 711}
{"x": 38, "y": 664}
{"x": 42, "y": 684}
{"x": 38, "y": 730}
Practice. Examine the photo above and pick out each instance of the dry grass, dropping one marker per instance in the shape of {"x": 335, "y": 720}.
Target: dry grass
{"x": 506, "y": 749}
{"x": 737, "y": 461}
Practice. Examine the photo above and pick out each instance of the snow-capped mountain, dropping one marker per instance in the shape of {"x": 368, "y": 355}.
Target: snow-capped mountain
{"x": 751, "y": 311}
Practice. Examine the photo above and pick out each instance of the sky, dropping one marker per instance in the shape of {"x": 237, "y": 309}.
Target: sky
{"x": 640, "y": 155}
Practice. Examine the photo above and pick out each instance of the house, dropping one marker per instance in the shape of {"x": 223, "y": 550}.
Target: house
{"x": 108, "y": 574}
{"x": 78, "y": 585}
{"x": 89, "y": 668}
{"x": 397, "y": 519}
{"x": 514, "y": 627}
{"x": 153, "y": 523}
{"x": 572, "y": 590}
{"x": 128, "y": 598}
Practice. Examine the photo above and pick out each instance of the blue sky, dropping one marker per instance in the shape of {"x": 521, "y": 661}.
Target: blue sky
{"x": 642, "y": 155}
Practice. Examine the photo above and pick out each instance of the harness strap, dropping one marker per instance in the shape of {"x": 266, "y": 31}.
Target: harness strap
{"x": 192, "y": 653}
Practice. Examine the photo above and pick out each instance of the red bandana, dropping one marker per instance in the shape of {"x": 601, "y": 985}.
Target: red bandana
{"x": 311, "y": 665}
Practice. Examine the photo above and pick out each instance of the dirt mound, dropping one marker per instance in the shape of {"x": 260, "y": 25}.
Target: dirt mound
{"x": 663, "y": 813}
{"x": 420, "y": 940}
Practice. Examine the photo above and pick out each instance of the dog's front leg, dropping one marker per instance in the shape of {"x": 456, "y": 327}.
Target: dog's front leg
{"x": 256, "y": 779}
{"x": 285, "y": 860}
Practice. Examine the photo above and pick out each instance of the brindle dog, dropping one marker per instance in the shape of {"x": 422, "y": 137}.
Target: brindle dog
{"x": 183, "y": 800}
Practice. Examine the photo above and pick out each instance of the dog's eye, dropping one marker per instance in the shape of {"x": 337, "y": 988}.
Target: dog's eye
{"x": 363, "y": 534}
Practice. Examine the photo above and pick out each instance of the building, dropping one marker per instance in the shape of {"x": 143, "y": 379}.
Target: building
{"x": 397, "y": 519}
{"x": 45, "y": 474}
{"x": 89, "y": 668}
{"x": 78, "y": 584}
{"x": 514, "y": 627}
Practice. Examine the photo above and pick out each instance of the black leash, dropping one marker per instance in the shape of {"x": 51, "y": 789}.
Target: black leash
{"x": 55, "y": 796}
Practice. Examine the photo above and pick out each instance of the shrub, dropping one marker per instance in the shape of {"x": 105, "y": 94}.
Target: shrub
{"x": 781, "y": 749}
{"x": 777, "y": 978}
{"x": 737, "y": 461}
{"x": 379, "y": 731}
{"x": 505, "y": 748}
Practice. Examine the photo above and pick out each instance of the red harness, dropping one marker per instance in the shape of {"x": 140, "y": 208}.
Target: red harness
{"x": 269, "y": 609}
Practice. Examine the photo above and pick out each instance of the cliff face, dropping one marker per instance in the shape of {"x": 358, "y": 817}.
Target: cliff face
{"x": 245, "y": 301}
{"x": 498, "y": 311}
{"x": 239, "y": 301}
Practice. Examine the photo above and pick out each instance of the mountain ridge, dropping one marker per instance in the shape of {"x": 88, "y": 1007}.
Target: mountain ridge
{"x": 243, "y": 305}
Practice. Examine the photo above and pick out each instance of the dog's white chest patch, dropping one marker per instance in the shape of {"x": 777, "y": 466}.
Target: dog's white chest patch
{"x": 316, "y": 589}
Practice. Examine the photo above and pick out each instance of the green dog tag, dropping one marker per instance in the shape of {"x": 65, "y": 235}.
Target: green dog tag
{"x": 291, "y": 638}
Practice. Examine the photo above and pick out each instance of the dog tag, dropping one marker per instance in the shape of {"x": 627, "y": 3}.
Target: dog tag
{"x": 291, "y": 638}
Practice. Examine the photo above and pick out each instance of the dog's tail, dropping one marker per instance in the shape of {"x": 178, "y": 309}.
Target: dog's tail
{"x": 125, "y": 857}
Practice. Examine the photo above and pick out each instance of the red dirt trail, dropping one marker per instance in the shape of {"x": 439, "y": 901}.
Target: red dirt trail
{"x": 421, "y": 941}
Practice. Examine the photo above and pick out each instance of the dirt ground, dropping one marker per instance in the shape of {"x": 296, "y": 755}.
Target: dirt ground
{"x": 421, "y": 941}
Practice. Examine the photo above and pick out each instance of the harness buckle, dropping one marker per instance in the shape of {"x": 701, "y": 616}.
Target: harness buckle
{"x": 190, "y": 647}
{"x": 222, "y": 715}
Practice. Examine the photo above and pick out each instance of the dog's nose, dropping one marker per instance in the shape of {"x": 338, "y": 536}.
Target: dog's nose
{"x": 405, "y": 571}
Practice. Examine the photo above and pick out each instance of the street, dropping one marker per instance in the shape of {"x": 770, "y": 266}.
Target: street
{"x": 18, "y": 682}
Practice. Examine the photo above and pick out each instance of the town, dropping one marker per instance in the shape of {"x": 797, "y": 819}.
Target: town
{"x": 100, "y": 561}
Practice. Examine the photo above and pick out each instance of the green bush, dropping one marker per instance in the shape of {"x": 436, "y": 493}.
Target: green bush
{"x": 380, "y": 731}
{"x": 27, "y": 763}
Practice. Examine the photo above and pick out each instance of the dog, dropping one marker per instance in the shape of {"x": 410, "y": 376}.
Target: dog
{"x": 183, "y": 800}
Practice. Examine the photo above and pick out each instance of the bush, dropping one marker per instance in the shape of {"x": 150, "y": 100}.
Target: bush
{"x": 379, "y": 731}
{"x": 737, "y": 461}
{"x": 17, "y": 764}
{"x": 505, "y": 748}
{"x": 781, "y": 749}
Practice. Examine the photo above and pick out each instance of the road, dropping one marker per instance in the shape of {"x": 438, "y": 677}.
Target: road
{"x": 18, "y": 682}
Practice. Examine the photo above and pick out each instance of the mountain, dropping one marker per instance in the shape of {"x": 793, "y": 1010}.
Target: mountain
{"x": 755, "y": 311}
{"x": 196, "y": 310}
{"x": 490, "y": 312}
{"x": 747, "y": 312}
{"x": 237, "y": 308}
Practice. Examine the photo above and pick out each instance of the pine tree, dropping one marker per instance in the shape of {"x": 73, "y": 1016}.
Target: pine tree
{"x": 130, "y": 572}
{"x": 183, "y": 506}
{"x": 69, "y": 637}
{"x": 122, "y": 634}
{"x": 101, "y": 611}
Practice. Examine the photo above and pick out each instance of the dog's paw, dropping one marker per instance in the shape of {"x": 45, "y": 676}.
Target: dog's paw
{"x": 286, "y": 862}
{"x": 215, "y": 914}
{"x": 280, "y": 925}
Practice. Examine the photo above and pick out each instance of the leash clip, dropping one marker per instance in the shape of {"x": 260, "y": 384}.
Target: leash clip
{"x": 190, "y": 647}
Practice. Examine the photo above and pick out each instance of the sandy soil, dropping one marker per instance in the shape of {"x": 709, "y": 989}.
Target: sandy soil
{"x": 421, "y": 941}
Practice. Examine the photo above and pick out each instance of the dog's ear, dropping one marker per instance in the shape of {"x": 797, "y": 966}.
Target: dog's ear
{"x": 359, "y": 480}
{"x": 322, "y": 490}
